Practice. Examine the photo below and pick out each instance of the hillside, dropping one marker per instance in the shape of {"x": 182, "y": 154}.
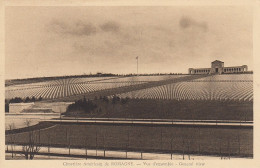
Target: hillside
{"x": 178, "y": 87}
{"x": 72, "y": 88}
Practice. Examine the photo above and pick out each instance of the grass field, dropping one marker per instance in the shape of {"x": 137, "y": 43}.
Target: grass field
{"x": 200, "y": 140}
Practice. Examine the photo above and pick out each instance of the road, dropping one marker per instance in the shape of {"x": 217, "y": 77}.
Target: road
{"x": 165, "y": 122}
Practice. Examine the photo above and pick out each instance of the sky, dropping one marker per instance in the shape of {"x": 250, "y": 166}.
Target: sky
{"x": 55, "y": 41}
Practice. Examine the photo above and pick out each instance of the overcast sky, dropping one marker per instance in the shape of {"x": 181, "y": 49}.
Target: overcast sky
{"x": 51, "y": 41}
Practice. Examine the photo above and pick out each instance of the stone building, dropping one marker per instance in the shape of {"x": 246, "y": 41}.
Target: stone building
{"x": 217, "y": 67}
{"x": 39, "y": 107}
{"x": 19, "y": 107}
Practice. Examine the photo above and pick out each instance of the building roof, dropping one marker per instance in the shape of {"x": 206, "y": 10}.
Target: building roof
{"x": 21, "y": 104}
{"x": 217, "y": 61}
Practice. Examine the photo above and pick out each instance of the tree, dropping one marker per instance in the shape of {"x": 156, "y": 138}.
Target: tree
{"x": 86, "y": 106}
{"x": 16, "y": 100}
{"x": 6, "y": 106}
{"x": 33, "y": 99}
{"x": 11, "y": 127}
{"x": 105, "y": 99}
{"x": 124, "y": 100}
{"x": 30, "y": 149}
{"x": 114, "y": 100}
{"x": 27, "y": 99}
{"x": 40, "y": 98}
{"x": 100, "y": 110}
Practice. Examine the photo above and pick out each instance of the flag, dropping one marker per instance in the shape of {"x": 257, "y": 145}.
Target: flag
{"x": 136, "y": 57}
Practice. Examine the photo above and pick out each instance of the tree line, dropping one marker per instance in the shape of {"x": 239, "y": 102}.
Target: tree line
{"x": 88, "y": 106}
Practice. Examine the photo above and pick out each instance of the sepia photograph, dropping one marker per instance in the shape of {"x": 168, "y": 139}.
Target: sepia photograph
{"x": 129, "y": 83}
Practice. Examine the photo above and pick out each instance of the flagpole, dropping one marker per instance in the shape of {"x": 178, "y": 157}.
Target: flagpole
{"x": 137, "y": 64}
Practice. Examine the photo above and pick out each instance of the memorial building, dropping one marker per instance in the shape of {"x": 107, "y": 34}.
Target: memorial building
{"x": 217, "y": 67}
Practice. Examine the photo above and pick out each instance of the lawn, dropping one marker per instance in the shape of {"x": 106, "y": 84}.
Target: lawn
{"x": 199, "y": 140}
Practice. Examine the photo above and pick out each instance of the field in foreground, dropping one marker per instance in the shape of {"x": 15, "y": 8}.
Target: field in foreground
{"x": 197, "y": 140}
{"x": 57, "y": 153}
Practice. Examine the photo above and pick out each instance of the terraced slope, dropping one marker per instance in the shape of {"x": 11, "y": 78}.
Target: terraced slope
{"x": 87, "y": 86}
{"x": 217, "y": 87}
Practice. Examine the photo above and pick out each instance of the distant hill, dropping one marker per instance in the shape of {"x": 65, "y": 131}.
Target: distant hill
{"x": 44, "y": 79}
{"x": 10, "y": 82}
